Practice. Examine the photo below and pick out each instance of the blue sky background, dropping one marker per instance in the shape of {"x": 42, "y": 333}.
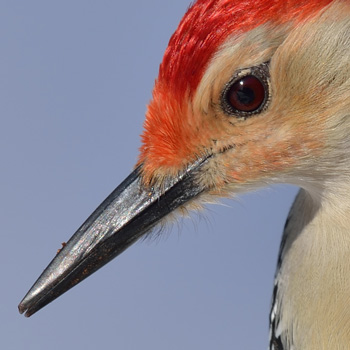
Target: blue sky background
{"x": 75, "y": 77}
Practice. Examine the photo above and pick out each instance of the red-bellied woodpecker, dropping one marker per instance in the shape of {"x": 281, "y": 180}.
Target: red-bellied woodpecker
{"x": 249, "y": 93}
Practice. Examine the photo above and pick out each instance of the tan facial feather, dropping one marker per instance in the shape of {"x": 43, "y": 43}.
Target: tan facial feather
{"x": 291, "y": 141}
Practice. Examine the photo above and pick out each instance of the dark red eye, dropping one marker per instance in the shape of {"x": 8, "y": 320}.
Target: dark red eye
{"x": 246, "y": 94}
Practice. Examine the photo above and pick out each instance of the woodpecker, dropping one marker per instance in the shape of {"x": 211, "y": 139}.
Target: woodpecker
{"x": 249, "y": 93}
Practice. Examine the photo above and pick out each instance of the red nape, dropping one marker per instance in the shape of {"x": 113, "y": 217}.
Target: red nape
{"x": 208, "y": 23}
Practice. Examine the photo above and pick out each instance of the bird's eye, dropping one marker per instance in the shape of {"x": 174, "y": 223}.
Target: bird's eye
{"x": 247, "y": 93}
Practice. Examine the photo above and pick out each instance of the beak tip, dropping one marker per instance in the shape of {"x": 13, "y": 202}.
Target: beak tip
{"x": 27, "y": 306}
{"x": 22, "y": 309}
{"x": 25, "y": 311}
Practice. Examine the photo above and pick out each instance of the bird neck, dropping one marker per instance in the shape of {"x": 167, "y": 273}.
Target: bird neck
{"x": 313, "y": 276}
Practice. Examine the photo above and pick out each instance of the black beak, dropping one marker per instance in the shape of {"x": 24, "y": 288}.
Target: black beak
{"x": 126, "y": 215}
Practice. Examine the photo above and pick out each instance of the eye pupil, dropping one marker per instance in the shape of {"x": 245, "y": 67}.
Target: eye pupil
{"x": 246, "y": 94}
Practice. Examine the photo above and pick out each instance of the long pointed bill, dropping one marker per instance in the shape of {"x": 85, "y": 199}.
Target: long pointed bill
{"x": 127, "y": 214}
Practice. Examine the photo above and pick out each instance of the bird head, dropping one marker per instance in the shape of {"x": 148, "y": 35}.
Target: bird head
{"x": 249, "y": 93}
